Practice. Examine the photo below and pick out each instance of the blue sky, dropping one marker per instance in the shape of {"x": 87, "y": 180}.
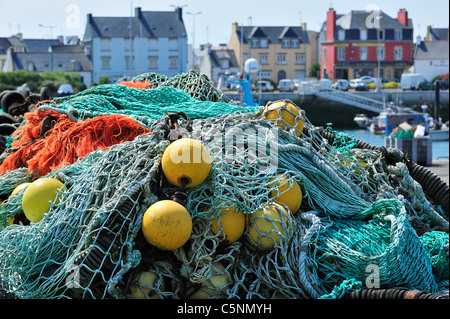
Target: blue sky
{"x": 213, "y": 24}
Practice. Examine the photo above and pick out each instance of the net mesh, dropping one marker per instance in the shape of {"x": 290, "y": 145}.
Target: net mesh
{"x": 361, "y": 221}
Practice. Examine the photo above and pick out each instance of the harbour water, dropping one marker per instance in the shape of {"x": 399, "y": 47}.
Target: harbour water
{"x": 440, "y": 149}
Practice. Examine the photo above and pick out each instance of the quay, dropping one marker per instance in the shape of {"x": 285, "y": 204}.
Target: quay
{"x": 440, "y": 167}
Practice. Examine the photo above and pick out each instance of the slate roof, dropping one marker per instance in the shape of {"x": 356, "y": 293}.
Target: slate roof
{"x": 356, "y": 19}
{"x": 62, "y": 61}
{"x": 147, "y": 24}
{"x": 39, "y": 45}
{"x": 217, "y": 55}
{"x": 431, "y": 50}
{"x": 273, "y": 34}
{"x": 438, "y": 33}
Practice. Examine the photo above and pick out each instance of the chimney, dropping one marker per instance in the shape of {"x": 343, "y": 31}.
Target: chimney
{"x": 179, "y": 10}
{"x": 303, "y": 25}
{"x": 402, "y": 17}
{"x": 89, "y": 17}
{"x": 331, "y": 24}
{"x": 138, "y": 12}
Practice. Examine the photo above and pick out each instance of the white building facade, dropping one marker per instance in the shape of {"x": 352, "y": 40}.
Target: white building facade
{"x": 121, "y": 48}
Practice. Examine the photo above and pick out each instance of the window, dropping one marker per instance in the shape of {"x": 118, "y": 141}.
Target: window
{"x": 173, "y": 44}
{"x": 255, "y": 43}
{"x": 173, "y": 62}
{"x": 264, "y": 43}
{"x": 295, "y": 43}
{"x": 152, "y": 62}
{"x": 300, "y": 58}
{"x": 398, "y": 53}
{"x": 363, "y": 53}
{"x": 341, "y": 35}
{"x": 341, "y": 54}
{"x": 263, "y": 58}
{"x": 324, "y": 54}
{"x": 127, "y": 44}
{"x": 285, "y": 43}
{"x": 30, "y": 66}
{"x": 363, "y": 34}
{"x": 106, "y": 60}
{"x": 129, "y": 62}
{"x": 153, "y": 44}
{"x": 281, "y": 58}
{"x": 381, "y": 53}
{"x": 265, "y": 74}
{"x": 105, "y": 44}
{"x": 398, "y": 34}
{"x": 381, "y": 34}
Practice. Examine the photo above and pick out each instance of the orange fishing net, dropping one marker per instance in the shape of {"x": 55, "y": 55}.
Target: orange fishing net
{"x": 49, "y": 139}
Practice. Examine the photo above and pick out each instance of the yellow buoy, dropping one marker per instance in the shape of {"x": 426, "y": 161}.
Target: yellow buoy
{"x": 215, "y": 285}
{"x": 37, "y": 197}
{"x": 19, "y": 189}
{"x": 144, "y": 286}
{"x": 268, "y": 226}
{"x": 286, "y": 115}
{"x": 231, "y": 222}
{"x": 167, "y": 225}
{"x": 286, "y": 193}
{"x": 186, "y": 162}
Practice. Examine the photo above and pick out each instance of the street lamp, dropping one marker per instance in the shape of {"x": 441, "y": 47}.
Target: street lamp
{"x": 193, "y": 36}
{"x": 51, "y": 38}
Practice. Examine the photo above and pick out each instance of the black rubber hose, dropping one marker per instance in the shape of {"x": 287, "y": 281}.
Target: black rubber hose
{"x": 431, "y": 183}
{"x": 392, "y": 293}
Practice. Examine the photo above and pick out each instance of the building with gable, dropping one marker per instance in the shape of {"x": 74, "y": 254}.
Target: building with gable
{"x": 123, "y": 47}
{"x": 354, "y": 44}
{"x": 280, "y": 50}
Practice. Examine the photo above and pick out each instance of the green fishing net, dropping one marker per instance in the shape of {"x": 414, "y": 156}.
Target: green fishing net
{"x": 361, "y": 221}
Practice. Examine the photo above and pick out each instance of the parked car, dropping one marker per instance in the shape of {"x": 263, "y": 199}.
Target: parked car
{"x": 409, "y": 81}
{"x": 264, "y": 86}
{"x": 286, "y": 85}
{"x": 358, "y": 85}
{"x": 65, "y": 89}
{"x": 341, "y": 85}
{"x": 367, "y": 79}
{"x": 325, "y": 85}
{"x": 424, "y": 85}
{"x": 443, "y": 85}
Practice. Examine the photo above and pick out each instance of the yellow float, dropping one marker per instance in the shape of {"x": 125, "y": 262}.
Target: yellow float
{"x": 286, "y": 115}
{"x": 167, "y": 225}
{"x": 186, "y": 162}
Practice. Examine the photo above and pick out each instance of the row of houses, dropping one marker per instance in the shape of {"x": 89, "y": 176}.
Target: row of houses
{"x": 347, "y": 46}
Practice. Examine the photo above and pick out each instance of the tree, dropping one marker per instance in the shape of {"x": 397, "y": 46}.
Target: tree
{"x": 314, "y": 72}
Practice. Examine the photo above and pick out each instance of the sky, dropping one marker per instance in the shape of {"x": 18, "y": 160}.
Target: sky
{"x": 213, "y": 18}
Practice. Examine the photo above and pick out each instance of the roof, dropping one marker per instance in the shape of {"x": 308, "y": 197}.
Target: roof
{"x": 4, "y": 45}
{"x": 62, "y": 61}
{"x": 217, "y": 55}
{"x": 437, "y": 33}
{"x": 147, "y": 24}
{"x": 432, "y": 50}
{"x": 356, "y": 19}
{"x": 273, "y": 34}
{"x": 39, "y": 45}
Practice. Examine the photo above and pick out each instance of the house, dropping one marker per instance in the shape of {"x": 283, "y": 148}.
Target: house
{"x": 354, "y": 44}
{"x": 149, "y": 41}
{"x": 431, "y": 58}
{"x": 41, "y": 55}
{"x": 217, "y": 63}
{"x": 436, "y": 34}
{"x": 280, "y": 50}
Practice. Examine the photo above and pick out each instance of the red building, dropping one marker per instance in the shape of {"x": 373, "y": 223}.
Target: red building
{"x": 350, "y": 44}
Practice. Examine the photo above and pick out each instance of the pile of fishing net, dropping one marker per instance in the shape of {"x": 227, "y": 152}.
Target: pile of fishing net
{"x": 357, "y": 219}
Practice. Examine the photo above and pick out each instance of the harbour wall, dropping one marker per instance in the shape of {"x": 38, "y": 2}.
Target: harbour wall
{"x": 321, "y": 111}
